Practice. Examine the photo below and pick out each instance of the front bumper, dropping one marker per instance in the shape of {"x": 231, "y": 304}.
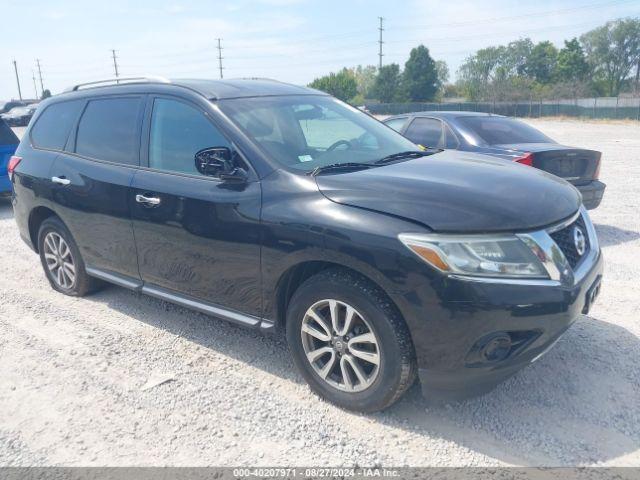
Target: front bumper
{"x": 539, "y": 315}
{"x": 470, "y": 334}
{"x": 592, "y": 193}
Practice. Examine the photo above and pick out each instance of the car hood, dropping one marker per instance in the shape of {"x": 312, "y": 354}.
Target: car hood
{"x": 453, "y": 191}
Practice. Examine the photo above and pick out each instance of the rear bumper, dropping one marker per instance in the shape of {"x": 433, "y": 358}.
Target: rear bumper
{"x": 592, "y": 194}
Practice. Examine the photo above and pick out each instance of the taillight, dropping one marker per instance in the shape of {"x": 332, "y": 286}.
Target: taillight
{"x": 13, "y": 163}
{"x": 596, "y": 173}
{"x": 526, "y": 159}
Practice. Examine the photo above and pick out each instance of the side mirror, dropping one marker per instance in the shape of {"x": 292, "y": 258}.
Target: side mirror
{"x": 218, "y": 162}
{"x": 213, "y": 161}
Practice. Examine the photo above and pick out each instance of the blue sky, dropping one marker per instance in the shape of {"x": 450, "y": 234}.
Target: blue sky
{"x": 291, "y": 40}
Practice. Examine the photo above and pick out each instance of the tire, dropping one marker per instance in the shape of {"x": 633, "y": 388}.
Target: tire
{"x": 380, "y": 384}
{"x": 73, "y": 280}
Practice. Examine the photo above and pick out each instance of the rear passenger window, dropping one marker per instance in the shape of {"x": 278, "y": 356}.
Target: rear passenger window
{"x": 425, "y": 131}
{"x": 53, "y": 126}
{"x": 108, "y": 130}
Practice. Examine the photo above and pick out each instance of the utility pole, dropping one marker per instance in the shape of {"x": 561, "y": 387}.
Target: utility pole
{"x": 220, "y": 57}
{"x": 380, "y": 43}
{"x": 115, "y": 63}
{"x": 15, "y": 67}
{"x": 35, "y": 86}
{"x": 40, "y": 75}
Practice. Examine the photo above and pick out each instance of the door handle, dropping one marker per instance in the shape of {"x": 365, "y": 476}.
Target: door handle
{"x": 147, "y": 200}
{"x": 61, "y": 180}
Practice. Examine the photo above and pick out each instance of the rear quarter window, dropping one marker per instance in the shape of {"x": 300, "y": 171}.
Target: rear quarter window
{"x": 108, "y": 130}
{"x": 53, "y": 126}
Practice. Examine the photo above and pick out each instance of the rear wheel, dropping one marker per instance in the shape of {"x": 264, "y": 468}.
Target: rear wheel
{"x": 349, "y": 342}
{"x": 61, "y": 260}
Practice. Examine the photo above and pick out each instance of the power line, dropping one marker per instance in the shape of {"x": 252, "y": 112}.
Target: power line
{"x": 289, "y": 48}
{"x": 515, "y": 17}
{"x": 388, "y": 27}
{"x": 115, "y": 63}
{"x": 40, "y": 75}
{"x": 220, "y": 57}
{"x": 494, "y": 34}
{"x": 15, "y": 67}
{"x": 349, "y": 50}
{"x": 380, "y": 43}
{"x": 285, "y": 56}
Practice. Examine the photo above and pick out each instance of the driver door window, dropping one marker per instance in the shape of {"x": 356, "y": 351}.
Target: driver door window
{"x": 178, "y": 132}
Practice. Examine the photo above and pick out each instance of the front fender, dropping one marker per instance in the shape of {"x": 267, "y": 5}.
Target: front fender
{"x": 361, "y": 240}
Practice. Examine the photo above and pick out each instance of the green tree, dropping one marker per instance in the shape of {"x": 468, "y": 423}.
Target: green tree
{"x": 443, "y": 71}
{"x": 572, "y": 63}
{"x": 387, "y": 86}
{"x": 541, "y": 63}
{"x": 514, "y": 57}
{"x": 45, "y": 94}
{"x": 612, "y": 51}
{"x": 443, "y": 77}
{"x": 496, "y": 73}
{"x": 341, "y": 85}
{"x": 365, "y": 79}
{"x": 420, "y": 76}
{"x": 479, "y": 71}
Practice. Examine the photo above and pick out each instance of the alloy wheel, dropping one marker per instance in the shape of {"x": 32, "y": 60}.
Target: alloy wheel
{"x": 340, "y": 345}
{"x": 59, "y": 259}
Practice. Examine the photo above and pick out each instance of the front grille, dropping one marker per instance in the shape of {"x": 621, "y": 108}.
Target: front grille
{"x": 565, "y": 240}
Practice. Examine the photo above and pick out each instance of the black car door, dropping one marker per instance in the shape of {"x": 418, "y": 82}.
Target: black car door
{"x": 92, "y": 181}
{"x": 197, "y": 235}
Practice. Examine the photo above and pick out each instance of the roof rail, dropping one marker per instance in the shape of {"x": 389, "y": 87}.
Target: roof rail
{"x": 118, "y": 81}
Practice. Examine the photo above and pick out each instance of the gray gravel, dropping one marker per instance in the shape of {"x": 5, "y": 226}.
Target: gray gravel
{"x": 73, "y": 372}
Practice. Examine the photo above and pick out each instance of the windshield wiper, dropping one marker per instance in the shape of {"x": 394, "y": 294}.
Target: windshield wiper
{"x": 340, "y": 166}
{"x": 408, "y": 154}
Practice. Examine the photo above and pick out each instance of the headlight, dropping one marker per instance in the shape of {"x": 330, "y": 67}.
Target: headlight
{"x": 477, "y": 255}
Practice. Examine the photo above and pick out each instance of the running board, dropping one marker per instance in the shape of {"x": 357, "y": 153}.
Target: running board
{"x": 248, "y": 321}
{"x": 210, "y": 309}
{"x": 115, "y": 278}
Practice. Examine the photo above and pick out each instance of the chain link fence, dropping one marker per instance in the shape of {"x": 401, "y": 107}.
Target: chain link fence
{"x": 600, "y": 107}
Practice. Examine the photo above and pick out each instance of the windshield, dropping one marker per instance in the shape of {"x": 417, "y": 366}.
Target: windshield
{"x": 501, "y": 130}
{"x": 305, "y": 132}
{"x": 18, "y": 110}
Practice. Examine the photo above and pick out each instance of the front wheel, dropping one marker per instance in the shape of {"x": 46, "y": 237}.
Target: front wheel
{"x": 350, "y": 344}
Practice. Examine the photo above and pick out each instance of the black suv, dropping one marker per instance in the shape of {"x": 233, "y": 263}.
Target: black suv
{"x": 278, "y": 207}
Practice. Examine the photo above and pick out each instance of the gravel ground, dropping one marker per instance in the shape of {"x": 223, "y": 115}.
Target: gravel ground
{"x": 74, "y": 374}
